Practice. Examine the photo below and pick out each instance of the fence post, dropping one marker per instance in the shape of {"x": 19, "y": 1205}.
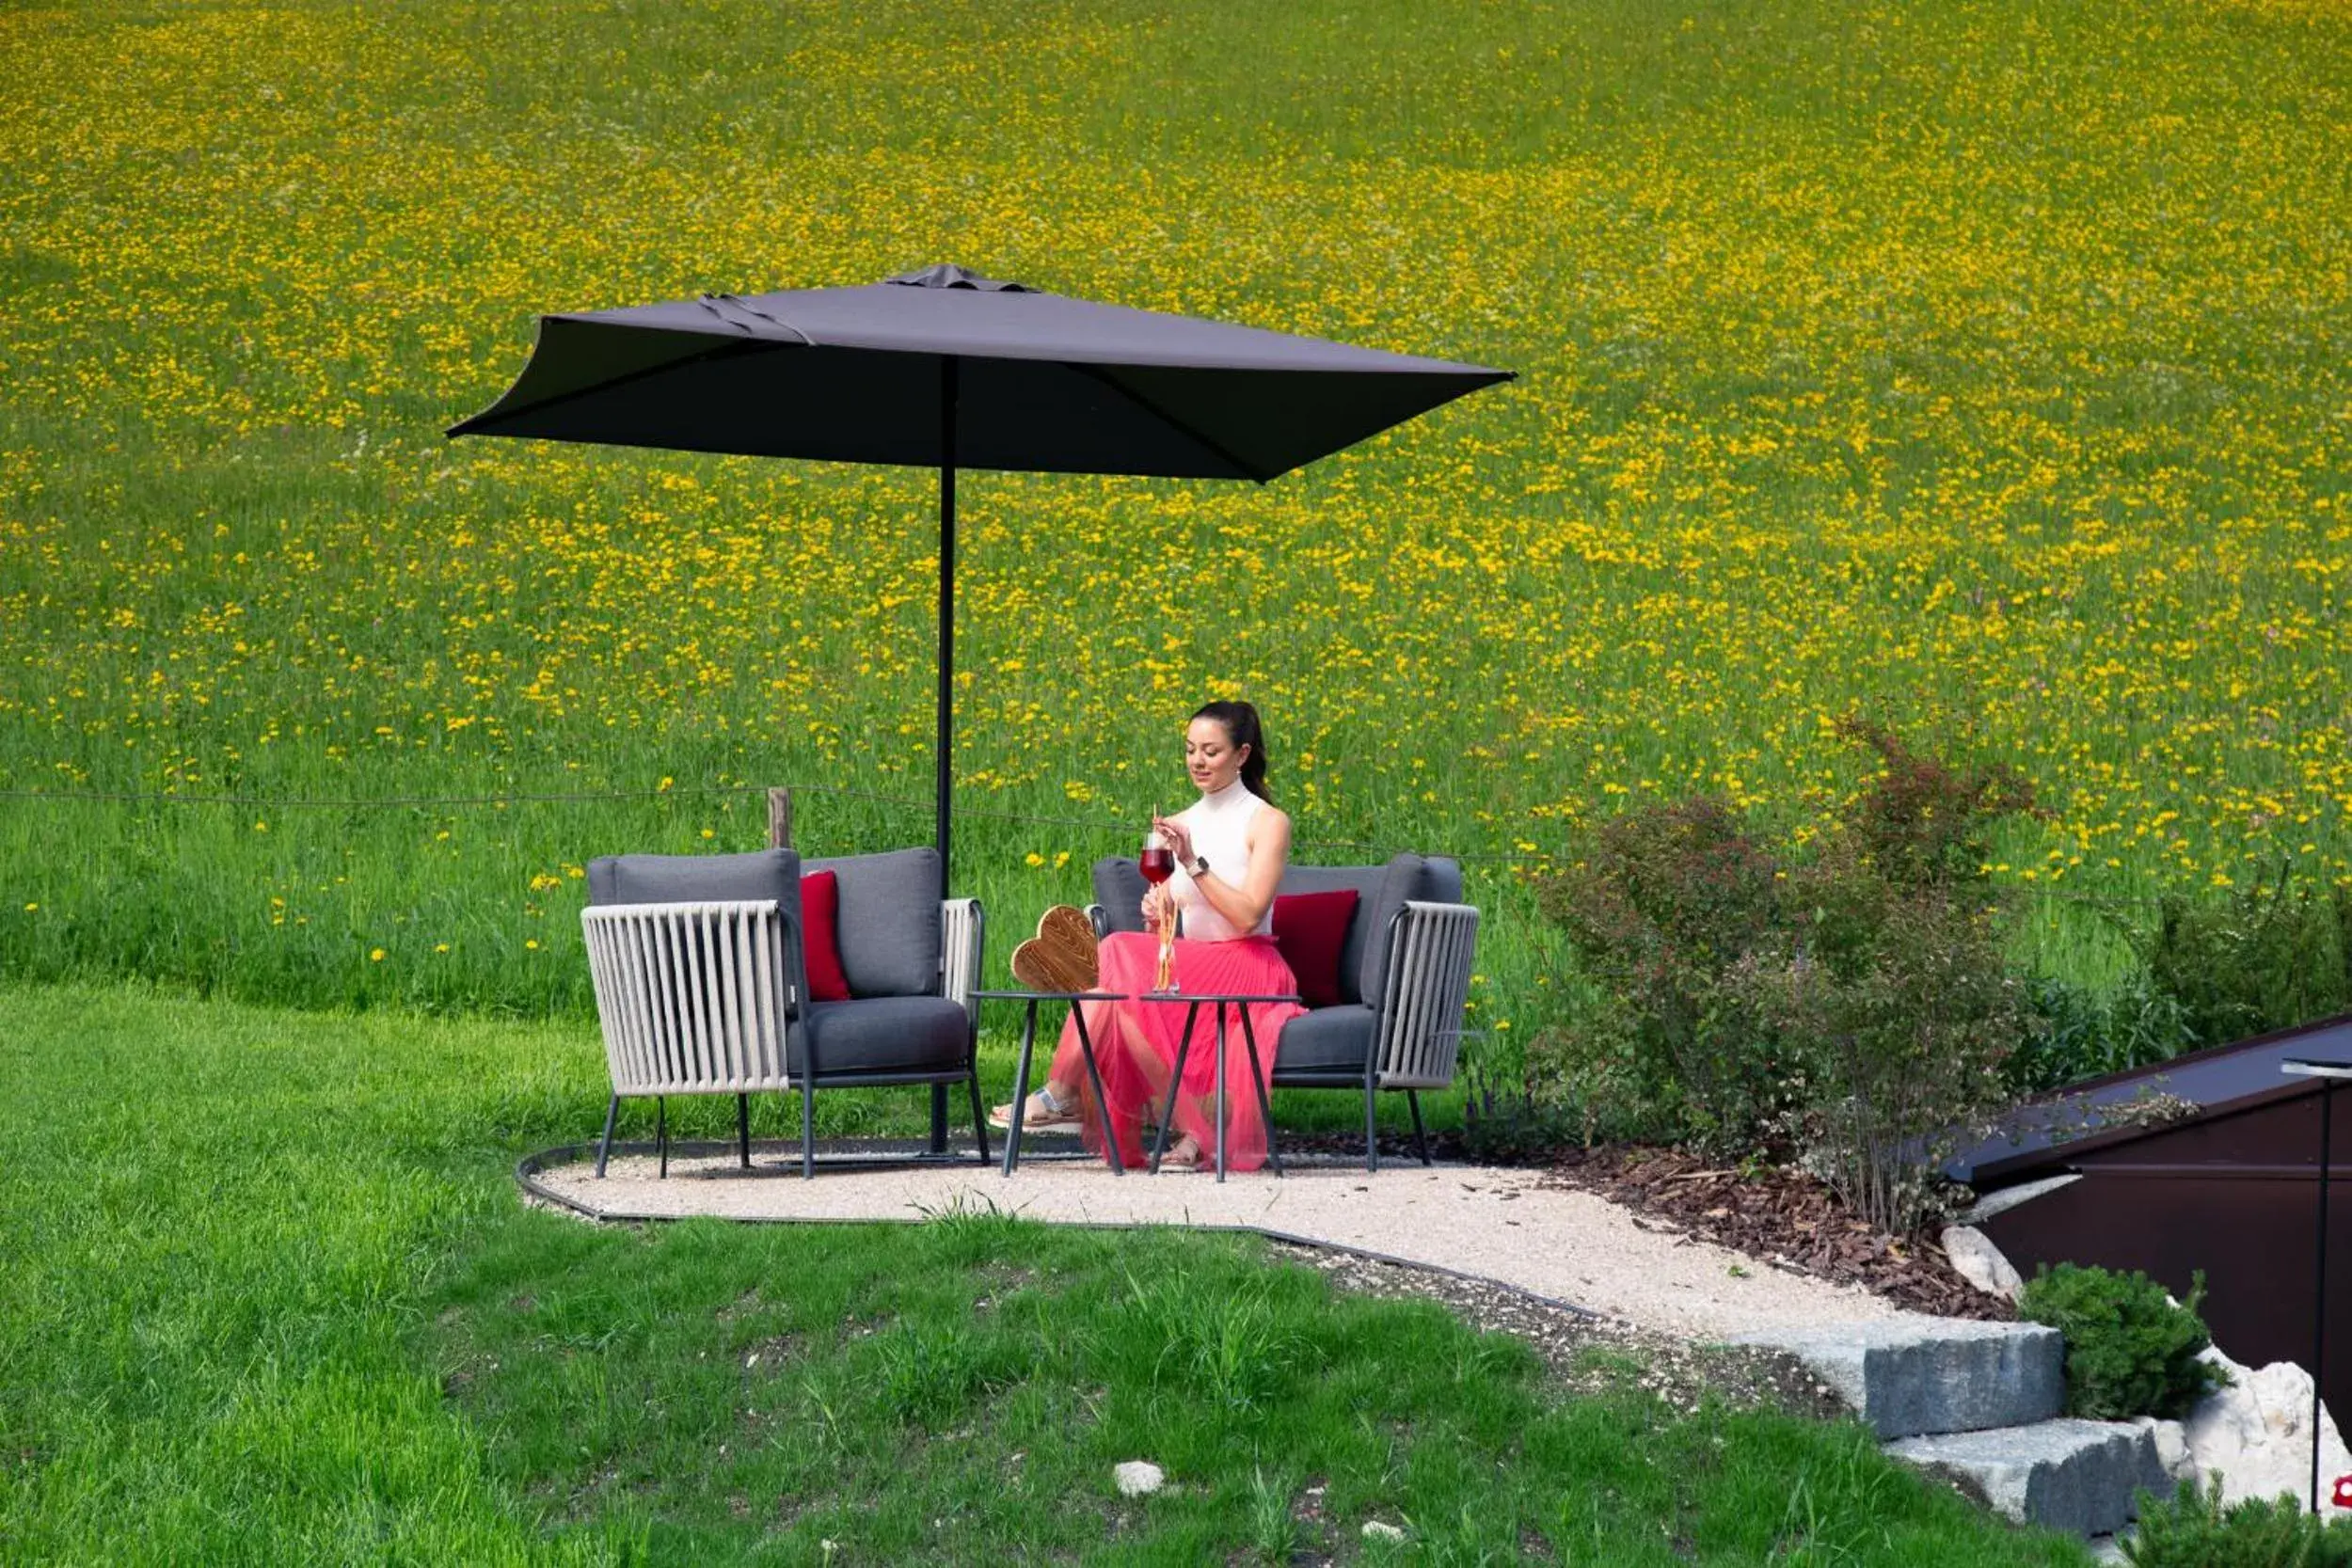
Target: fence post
{"x": 779, "y": 818}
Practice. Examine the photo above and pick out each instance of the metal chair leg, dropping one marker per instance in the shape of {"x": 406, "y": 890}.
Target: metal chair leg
{"x": 661, "y": 1133}
{"x": 1421, "y": 1139}
{"x": 1257, "y": 1080}
{"x": 1372, "y": 1129}
{"x": 979, "y": 1115}
{"x": 743, "y": 1129}
{"x": 808, "y": 1127}
{"x": 1175, "y": 1087}
{"x": 939, "y": 1118}
{"x": 604, "y": 1148}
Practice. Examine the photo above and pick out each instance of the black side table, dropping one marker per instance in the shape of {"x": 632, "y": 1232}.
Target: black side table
{"x": 1241, "y": 1004}
{"x": 1070, "y": 999}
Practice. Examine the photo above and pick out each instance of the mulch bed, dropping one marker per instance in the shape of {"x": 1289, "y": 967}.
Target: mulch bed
{"x": 1782, "y": 1216}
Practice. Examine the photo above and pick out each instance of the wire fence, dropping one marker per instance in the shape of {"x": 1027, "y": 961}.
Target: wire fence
{"x": 388, "y": 802}
{"x": 1106, "y": 826}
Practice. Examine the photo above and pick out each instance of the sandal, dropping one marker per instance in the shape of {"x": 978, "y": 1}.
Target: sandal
{"x": 1041, "y": 1113}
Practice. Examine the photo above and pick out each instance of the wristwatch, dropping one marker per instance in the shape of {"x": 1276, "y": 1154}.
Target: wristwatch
{"x": 1199, "y": 868}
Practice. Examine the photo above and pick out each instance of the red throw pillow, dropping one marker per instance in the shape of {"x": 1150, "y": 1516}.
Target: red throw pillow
{"x": 821, "y": 919}
{"x": 1310, "y": 929}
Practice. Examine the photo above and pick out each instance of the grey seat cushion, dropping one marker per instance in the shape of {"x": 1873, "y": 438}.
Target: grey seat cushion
{"x": 1329, "y": 1040}
{"x": 888, "y": 924}
{"x": 885, "y": 1035}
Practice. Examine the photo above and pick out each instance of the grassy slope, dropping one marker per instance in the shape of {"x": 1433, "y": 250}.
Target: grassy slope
{"x": 1981, "y": 364}
{"x": 266, "y": 1295}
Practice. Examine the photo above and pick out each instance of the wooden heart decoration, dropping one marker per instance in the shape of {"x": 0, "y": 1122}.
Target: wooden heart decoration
{"x": 1061, "y": 955}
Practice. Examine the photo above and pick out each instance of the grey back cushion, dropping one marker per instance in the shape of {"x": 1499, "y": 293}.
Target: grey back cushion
{"x": 889, "y": 920}
{"x": 1118, "y": 888}
{"x": 1381, "y": 890}
{"x": 697, "y": 879}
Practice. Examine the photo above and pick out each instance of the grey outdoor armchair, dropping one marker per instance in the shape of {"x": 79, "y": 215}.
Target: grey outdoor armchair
{"x": 1404, "y": 981}
{"x": 702, "y": 983}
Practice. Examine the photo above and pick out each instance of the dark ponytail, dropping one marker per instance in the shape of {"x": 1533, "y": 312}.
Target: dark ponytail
{"x": 1242, "y": 729}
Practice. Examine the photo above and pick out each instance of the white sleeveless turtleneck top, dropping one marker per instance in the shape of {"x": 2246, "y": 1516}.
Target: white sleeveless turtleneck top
{"x": 1219, "y": 825}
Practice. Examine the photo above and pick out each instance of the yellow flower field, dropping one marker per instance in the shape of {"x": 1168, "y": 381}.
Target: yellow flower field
{"x": 1981, "y": 365}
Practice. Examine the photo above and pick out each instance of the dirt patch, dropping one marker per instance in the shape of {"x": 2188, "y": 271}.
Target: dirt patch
{"x": 1784, "y": 1217}
{"x": 1586, "y": 1355}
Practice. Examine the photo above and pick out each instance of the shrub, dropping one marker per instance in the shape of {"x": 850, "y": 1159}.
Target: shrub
{"x": 1658, "y": 907}
{"x": 2074, "y": 1033}
{"x": 2274, "y": 954}
{"x": 2130, "y": 1349}
{"x": 1901, "y": 1038}
{"x": 2192, "y": 1529}
{"x": 1853, "y": 1007}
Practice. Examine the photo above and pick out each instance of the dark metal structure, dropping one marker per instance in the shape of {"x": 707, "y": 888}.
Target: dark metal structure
{"x": 2232, "y": 1186}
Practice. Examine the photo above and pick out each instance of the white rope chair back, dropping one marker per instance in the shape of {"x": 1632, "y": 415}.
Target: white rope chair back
{"x": 1428, "y": 983}
{"x": 960, "y": 951}
{"x": 694, "y": 997}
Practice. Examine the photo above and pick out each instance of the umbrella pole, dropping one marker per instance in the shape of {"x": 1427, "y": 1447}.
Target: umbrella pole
{"x": 945, "y": 739}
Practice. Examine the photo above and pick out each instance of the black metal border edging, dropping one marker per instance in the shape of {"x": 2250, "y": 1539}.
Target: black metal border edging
{"x": 528, "y": 1169}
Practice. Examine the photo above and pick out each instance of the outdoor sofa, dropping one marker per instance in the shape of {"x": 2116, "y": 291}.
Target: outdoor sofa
{"x": 701, "y": 973}
{"x": 1402, "y": 982}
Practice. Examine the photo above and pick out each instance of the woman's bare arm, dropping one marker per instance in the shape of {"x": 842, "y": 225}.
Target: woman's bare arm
{"x": 1269, "y": 840}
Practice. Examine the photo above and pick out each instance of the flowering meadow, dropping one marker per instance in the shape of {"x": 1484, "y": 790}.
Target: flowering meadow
{"x": 1978, "y": 366}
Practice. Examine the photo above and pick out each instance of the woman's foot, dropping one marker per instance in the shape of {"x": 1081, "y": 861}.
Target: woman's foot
{"x": 1186, "y": 1154}
{"x": 1043, "y": 1110}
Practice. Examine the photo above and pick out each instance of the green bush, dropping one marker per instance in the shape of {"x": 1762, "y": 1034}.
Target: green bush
{"x": 2130, "y": 1349}
{"x": 2192, "y": 1529}
{"x": 1851, "y": 1007}
{"x": 2274, "y": 954}
{"x": 2076, "y": 1033}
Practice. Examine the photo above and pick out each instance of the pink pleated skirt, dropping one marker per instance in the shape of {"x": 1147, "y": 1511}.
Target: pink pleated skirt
{"x": 1136, "y": 1045}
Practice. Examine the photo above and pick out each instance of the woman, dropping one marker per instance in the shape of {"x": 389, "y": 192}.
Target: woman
{"x": 1231, "y": 847}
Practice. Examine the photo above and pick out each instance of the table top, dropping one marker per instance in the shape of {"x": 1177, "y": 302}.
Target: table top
{"x": 1049, "y": 995}
{"x": 1212, "y": 996}
{"x": 2305, "y": 1068}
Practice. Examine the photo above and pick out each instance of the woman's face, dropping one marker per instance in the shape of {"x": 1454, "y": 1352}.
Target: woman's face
{"x": 1210, "y": 755}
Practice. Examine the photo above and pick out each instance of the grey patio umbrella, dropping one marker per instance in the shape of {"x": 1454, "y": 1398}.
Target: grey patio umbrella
{"x": 944, "y": 369}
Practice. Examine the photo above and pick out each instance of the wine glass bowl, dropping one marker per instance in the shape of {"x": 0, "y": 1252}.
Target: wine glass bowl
{"x": 1158, "y": 863}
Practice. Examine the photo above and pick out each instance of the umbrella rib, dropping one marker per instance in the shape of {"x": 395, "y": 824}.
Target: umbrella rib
{"x": 476, "y": 426}
{"x": 1183, "y": 427}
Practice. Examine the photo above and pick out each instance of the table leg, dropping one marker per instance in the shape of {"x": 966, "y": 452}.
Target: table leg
{"x": 1220, "y": 1092}
{"x": 1094, "y": 1076}
{"x": 1257, "y": 1081}
{"x": 1020, "y": 1089}
{"x": 1175, "y": 1087}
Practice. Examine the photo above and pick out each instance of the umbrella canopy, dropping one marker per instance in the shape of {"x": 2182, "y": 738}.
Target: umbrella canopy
{"x": 944, "y": 369}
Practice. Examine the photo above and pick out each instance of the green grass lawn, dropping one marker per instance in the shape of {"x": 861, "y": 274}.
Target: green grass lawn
{"x": 1981, "y": 364}
{"x": 267, "y": 1294}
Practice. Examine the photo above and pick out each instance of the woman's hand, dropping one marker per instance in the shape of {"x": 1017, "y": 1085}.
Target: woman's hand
{"x": 1177, "y": 837}
{"x": 1151, "y": 909}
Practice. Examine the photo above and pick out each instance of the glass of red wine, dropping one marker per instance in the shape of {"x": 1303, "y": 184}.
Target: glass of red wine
{"x": 1158, "y": 863}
